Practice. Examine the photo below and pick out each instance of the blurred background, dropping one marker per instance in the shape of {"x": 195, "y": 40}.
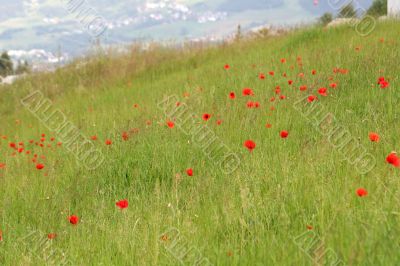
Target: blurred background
{"x": 54, "y": 31}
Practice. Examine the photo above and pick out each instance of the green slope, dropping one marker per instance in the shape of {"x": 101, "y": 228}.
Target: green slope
{"x": 258, "y": 212}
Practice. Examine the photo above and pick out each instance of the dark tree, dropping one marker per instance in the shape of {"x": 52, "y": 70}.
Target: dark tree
{"x": 378, "y": 8}
{"x": 326, "y": 18}
{"x": 6, "y": 65}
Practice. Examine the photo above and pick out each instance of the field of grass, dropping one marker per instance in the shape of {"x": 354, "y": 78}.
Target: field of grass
{"x": 289, "y": 201}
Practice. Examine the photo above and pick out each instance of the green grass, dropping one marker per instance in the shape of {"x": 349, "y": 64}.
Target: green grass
{"x": 248, "y": 217}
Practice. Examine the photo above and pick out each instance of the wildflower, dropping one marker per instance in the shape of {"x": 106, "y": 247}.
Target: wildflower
{"x": 393, "y": 159}
{"x": 170, "y": 124}
{"x": 51, "y": 236}
{"x": 73, "y": 219}
{"x": 361, "y": 192}
{"x": 125, "y": 135}
{"x": 206, "y": 116}
{"x": 311, "y": 98}
{"x": 247, "y": 92}
{"x": 122, "y": 204}
{"x": 250, "y": 145}
{"x": 374, "y": 137}
{"x": 189, "y": 172}
{"x": 323, "y": 91}
{"x": 303, "y": 87}
{"x": 284, "y": 134}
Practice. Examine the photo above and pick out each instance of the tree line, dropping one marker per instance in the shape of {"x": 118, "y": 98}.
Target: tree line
{"x": 377, "y": 9}
{"x": 7, "y": 66}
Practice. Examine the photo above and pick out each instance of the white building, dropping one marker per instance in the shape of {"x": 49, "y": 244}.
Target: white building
{"x": 394, "y": 8}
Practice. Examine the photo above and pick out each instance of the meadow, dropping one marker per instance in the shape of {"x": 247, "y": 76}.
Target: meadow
{"x": 307, "y": 173}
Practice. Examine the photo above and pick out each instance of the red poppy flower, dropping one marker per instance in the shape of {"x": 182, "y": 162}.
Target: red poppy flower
{"x": 170, "y": 124}
{"x": 268, "y": 125}
{"x": 323, "y": 91}
{"x": 303, "y": 87}
{"x": 284, "y": 134}
{"x": 13, "y": 145}
{"x": 206, "y": 117}
{"x": 309, "y": 227}
{"x": 39, "y": 166}
{"x": 73, "y": 219}
{"x": 261, "y": 76}
{"x": 232, "y": 95}
{"x": 250, "y": 145}
{"x": 227, "y": 67}
{"x": 219, "y": 122}
{"x": 282, "y": 97}
{"x": 283, "y": 60}
{"x": 189, "y": 172}
{"x": 361, "y": 192}
{"x": 250, "y": 104}
{"x": 2, "y": 165}
{"x": 122, "y": 204}
{"x": 333, "y": 85}
{"x": 20, "y": 150}
{"x": 311, "y": 98}
{"x": 380, "y": 79}
{"x": 108, "y": 142}
{"x": 384, "y": 84}
{"x": 374, "y": 137}
{"x": 314, "y": 72}
{"x": 256, "y": 104}
{"x": 272, "y": 99}
{"x": 393, "y": 159}
{"x": 290, "y": 82}
{"x": 125, "y": 135}
{"x": 277, "y": 90}
{"x": 271, "y": 73}
{"x": 93, "y": 137}
{"x": 247, "y": 92}
{"x": 51, "y": 236}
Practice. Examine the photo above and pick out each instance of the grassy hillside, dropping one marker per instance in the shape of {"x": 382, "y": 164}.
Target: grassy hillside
{"x": 289, "y": 201}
